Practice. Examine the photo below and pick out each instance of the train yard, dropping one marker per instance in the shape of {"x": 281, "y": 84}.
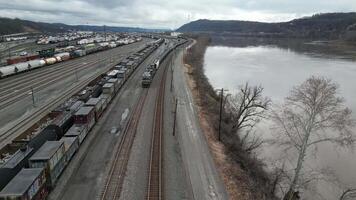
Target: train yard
{"x": 95, "y": 127}
{"x": 16, "y": 100}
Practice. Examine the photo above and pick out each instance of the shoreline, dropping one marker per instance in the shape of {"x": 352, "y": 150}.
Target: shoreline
{"x": 242, "y": 174}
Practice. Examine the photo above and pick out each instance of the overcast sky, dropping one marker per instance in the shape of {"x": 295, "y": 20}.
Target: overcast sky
{"x": 166, "y": 13}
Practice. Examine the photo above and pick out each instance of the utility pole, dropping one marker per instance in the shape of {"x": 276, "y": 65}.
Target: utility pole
{"x": 105, "y": 32}
{"x": 175, "y": 117}
{"x": 220, "y": 112}
{"x": 171, "y": 74}
{"x": 76, "y": 76}
{"x": 33, "y": 97}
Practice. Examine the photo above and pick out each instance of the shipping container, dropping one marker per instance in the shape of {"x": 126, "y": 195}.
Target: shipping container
{"x": 77, "y": 130}
{"x": 28, "y": 184}
{"x": 108, "y": 89}
{"x": 51, "y": 157}
{"x": 85, "y": 115}
{"x": 116, "y": 83}
{"x": 76, "y": 106}
{"x": 104, "y": 101}
{"x": 121, "y": 74}
{"x": 107, "y": 99}
{"x": 97, "y": 104}
{"x": 71, "y": 145}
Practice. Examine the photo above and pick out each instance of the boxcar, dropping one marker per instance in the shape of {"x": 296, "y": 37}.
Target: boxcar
{"x": 29, "y": 184}
{"x": 50, "y": 157}
{"x": 79, "y": 131}
{"x": 86, "y": 116}
{"x": 71, "y": 145}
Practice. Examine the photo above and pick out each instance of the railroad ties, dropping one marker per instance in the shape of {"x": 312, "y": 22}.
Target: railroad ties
{"x": 155, "y": 179}
{"x": 114, "y": 181}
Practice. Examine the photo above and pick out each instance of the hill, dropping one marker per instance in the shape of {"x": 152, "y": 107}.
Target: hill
{"x": 11, "y": 26}
{"x": 327, "y": 25}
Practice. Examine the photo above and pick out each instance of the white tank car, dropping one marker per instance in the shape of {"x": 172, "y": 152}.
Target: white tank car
{"x": 50, "y": 61}
{"x": 7, "y": 71}
{"x": 21, "y": 67}
{"x": 36, "y": 63}
{"x": 63, "y": 56}
{"x": 112, "y": 45}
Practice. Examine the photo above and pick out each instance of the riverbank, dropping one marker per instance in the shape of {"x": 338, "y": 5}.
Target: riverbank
{"x": 242, "y": 172}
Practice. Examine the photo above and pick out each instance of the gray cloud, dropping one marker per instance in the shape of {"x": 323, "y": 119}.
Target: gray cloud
{"x": 167, "y": 14}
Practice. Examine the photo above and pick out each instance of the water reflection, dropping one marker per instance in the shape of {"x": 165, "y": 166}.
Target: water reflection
{"x": 278, "y": 69}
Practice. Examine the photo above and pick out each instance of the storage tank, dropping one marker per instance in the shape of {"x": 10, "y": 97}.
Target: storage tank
{"x": 22, "y": 67}
{"x": 64, "y": 56}
{"x": 112, "y": 45}
{"x": 58, "y": 58}
{"x": 104, "y": 44}
{"x": 7, "y": 71}
{"x": 36, "y": 63}
{"x": 50, "y": 61}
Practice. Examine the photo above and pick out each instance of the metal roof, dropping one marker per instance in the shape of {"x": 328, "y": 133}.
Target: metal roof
{"x": 108, "y": 85}
{"x": 21, "y": 182}
{"x": 113, "y": 80}
{"x": 93, "y": 101}
{"x": 84, "y": 110}
{"x": 47, "y": 150}
{"x": 75, "y": 130}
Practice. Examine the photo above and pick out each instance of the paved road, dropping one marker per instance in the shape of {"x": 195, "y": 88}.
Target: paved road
{"x": 23, "y": 108}
{"x": 205, "y": 181}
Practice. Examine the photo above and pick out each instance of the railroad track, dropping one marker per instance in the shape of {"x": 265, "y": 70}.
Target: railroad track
{"x": 13, "y": 97}
{"x": 9, "y": 81}
{"x": 155, "y": 179}
{"x": 20, "y": 91}
{"x": 114, "y": 181}
{"x": 23, "y": 124}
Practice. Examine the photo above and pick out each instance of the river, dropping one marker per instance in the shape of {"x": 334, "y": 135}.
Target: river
{"x": 278, "y": 67}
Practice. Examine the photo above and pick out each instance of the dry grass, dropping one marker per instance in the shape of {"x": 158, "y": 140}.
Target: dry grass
{"x": 242, "y": 174}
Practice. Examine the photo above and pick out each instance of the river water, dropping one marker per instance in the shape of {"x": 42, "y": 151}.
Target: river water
{"x": 279, "y": 67}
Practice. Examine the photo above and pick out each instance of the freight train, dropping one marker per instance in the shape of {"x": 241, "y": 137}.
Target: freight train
{"x": 27, "y": 63}
{"x": 151, "y": 69}
{"x": 36, "y": 166}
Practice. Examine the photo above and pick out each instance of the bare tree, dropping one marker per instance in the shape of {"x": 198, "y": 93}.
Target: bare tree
{"x": 312, "y": 114}
{"x": 247, "y": 108}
